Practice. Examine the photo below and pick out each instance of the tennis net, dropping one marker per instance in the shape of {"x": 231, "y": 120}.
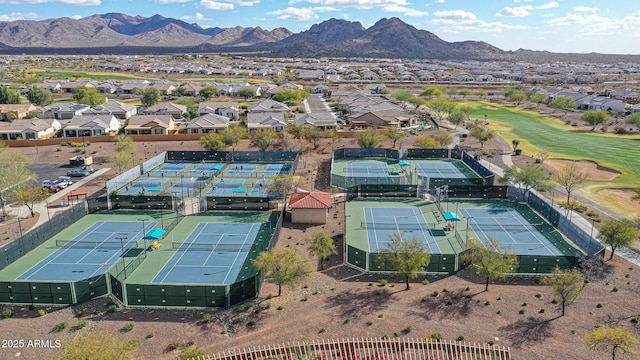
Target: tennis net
{"x": 507, "y": 228}
{"x": 191, "y": 184}
{"x": 111, "y": 245}
{"x": 192, "y": 246}
{"x": 394, "y": 226}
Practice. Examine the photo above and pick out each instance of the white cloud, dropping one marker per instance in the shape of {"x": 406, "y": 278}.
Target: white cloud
{"x": 76, "y": 17}
{"x": 404, "y": 10}
{"x": 585, "y": 9}
{"x": 520, "y": 11}
{"x": 65, "y": 2}
{"x": 455, "y": 15}
{"x": 357, "y": 4}
{"x": 439, "y": 1}
{"x": 215, "y": 5}
{"x": 301, "y": 14}
{"x": 172, "y": 1}
{"x": 18, "y": 16}
{"x": 194, "y": 17}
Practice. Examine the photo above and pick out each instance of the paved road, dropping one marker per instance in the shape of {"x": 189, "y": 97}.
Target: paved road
{"x": 316, "y": 104}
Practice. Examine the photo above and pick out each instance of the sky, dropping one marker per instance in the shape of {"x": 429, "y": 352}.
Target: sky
{"x": 580, "y": 26}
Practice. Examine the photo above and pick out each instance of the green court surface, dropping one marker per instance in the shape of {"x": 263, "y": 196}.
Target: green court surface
{"x": 157, "y": 259}
{"x": 49, "y": 247}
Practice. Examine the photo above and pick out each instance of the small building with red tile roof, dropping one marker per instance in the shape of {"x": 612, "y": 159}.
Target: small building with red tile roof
{"x": 310, "y": 207}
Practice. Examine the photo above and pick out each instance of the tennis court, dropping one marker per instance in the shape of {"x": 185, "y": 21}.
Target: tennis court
{"x": 213, "y": 253}
{"x": 170, "y": 169}
{"x": 244, "y": 170}
{"x": 438, "y": 169}
{"x": 511, "y": 229}
{"x": 90, "y": 253}
{"x": 382, "y": 222}
{"x": 367, "y": 169}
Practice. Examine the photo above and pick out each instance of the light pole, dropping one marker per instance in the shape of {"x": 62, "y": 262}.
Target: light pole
{"x": 122, "y": 237}
{"x": 20, "y": 226}
{"x": 593, "y": 224}
{"x": 48, "y": 214}
{"x": 132, "y": 160}
{"x": 144, "y": 236}
{"x": 466, "y": 238}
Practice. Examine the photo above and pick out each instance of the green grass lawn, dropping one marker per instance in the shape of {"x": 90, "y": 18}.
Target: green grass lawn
{"x": 539, "y": 133}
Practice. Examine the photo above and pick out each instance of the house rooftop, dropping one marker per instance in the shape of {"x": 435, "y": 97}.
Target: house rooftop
{"x": 311, "y": 200}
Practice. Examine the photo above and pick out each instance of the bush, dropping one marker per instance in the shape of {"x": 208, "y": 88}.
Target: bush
{"x": 206, "y": 318}
{"x": 538, "y": 295}
{"x": 615, "y": 289}
{"x": 380, "y": 316}
{"x": 408, "y": 329}
{"x": 541, "y": 311}
{"x": 599, "y": 305}
{"x": 383, "y": 282}
{"x": 487, "y": 303}
{"x": 521, "y": 311}
{"x": 498, "y": 312}
{"x": 554, "y": 301}
{"x": 112, "y": 309}
{"x": 347, "y": 320}
{"x": 9, "y": 312}
{"x": 61, "y": 326}
{"x": 81, "y": 324}
{"x": 129, "y": 326}
{"x": 243, "y": 308}
{"x": 191, "y": 353}
{"x": 251, "y": 323}
{"x": 41, "y": 312}
{"x": 280, "y": 307}
{"x": 445, "y": 290}
{"x": 425, "y": 282}
{"x": 634, "y": 320}
{"x": 460, "y": 338}
{"x": 79, "y": 313}
{"x": 97, "y": 312}
{"x": 437, "y": 336}
{"x": 434, "y": 294}
{"x": 370, "y": 322}
{"x": 322, "y": 330}
{"x": 236, "y": 320}
{"x": 151, "y": 335}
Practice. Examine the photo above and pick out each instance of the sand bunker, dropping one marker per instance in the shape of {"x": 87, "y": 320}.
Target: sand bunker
{"x": 590, "y": 168}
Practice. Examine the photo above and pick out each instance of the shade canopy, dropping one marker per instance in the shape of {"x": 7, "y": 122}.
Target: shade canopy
{"x": 403, "y": 163}
{"x": 451, "y": 216}
{"x": 155, "y": 234}
{"x": 239, "y": 190}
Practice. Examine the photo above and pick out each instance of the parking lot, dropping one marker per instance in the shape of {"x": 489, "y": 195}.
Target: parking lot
{"x": 44, "y": 171}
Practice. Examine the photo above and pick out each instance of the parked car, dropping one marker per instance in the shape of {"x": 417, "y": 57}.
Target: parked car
{"x": 58, "y": 183}
{"x": 78, "y": 173}
{"x": 89, "y": 168}
{"x": 47, "y": 183}
{"x": 64, "y": 181}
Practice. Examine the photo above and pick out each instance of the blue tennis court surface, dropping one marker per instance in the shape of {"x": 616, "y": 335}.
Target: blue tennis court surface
{"x": 89, "y": 254}
{"x": 511, "y": 229}
{"x": 409, "y": 222}
{"x": 212, "y": 254}
{"x": 241, "y": 170}
{"x": 188, "y": 186}
{"x": 276, "y": 169}
{"x": 144, "y": 186}
{"x": 438, "y": 169}
{"x": 367, "y": 169}
{"x": 170, "y": 169}
{"x": 206, "y": 169}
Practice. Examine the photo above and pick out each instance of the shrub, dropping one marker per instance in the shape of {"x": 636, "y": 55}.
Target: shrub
{"x": 599, "y": 305}
{"x": 425, "y": 282}
{"x": 383, "y": 282}
{"x": 112, "y": 308}
{"x": 445, "y": 290}
{"x": 63, "y": 325}
{"x": 573, "y": 331}
{"x": 467, "y": 289}
{"x": 347, "y": 320}
{"x": 541, "y": 311}
{"x": 498, "y": 312}
{"x": 9, "y": 312}
{"x": 81, "y": 324}
{"x": 110, "y": 302}
{"x": 151, "y": 335}
{"x": 280, "y": 307}
{"x": 449, "y": 302}
{"x": 554, "y": 301}
{"x": 434, "y": 294}
{"x": 129, "y": 326}
{"x": 460, "y": 338}
{"x": 397, "y": 334}
{"x": 491, "y": 342}
{"x": 524, "y": 304}
{"x": 370, "y": 322}
{"x": 634, "y": 320}
{"x": 206, "y": 318}
{"x": 41, "y": 312}
{"x": 97, "y": 312}
{"x": 521, "y": 311}
{"x": 380, "y": 316}
{"x": 191, "y": 353}
{"x": 79, "y": 313}
{"x": 615, "y": 289}
{"x": 538, "y": 295}
{"x": 251, "y": 323}
{"x": 322, "y": 330}
{"x": 437, "y": 336}
{"x": 408, "y": 329}
{"x": 487, "y": 303}
{"x": 236, "y": 320}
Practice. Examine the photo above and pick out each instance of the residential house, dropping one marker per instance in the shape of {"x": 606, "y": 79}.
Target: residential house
{"x": 108, "y": 87}
{"x": 207, "y": 123}
{"x": 309, "y": 75}
{"x": 122, "y": 111}
{"x": 10, "y": 112}
{"x": 269, "y": 106}
{"x": 228, "y": 109}
{"x": 131, "y": 86}
{"x": 64, "y": 110}
{"x": 606, "y": 104}
{"x": 321, "y": 120}
{"x": 288, "y": 86}
{"x": 70, "y": 85}
{"x": 30, "y": 129}
{"x": 310, "y": 207}
{"x": 150, "y": 125}
{"x": 90, "y": 125}
{"x": 176, "y": 110}
{"x": 266, "y": 120}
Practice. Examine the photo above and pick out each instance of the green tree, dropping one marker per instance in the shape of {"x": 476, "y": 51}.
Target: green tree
{"x": 633, "y": 119}
{"x": 464, "y": 93}
{"x": 443, "y": 138}
{"x": 431, "y": 92}
{"x": 518, "y": 97}
{"x": 295, "y": 130}
{"x": 124, "y": 144}
{"x": 14, "y": 173}
{"x": 564, "y": 103}
{"x": 481, "y": 94}
{"x": 282, "y": 184}
{"x": 95, "y": 345}
{"x": 567, "y": 284}
{"x": 208, "y": 92}
{"x": 482, "y": 133}
{"x": 121, "y": 161}
{"x": 28, "y": 194}
{"x": 263, "y": 139}
{"x": 406, "y": 257}
{"x": 491, "y": 260}
{"x": 8, "y": 96}
{"x": 538, "y": 99}
{"x": 246, "y": 92}
{"x": 616, "y": 233}
{"x": 457, "y": 118}
{"x": 149, "y": 96}
{"x": 507, "y": 92}
{"x": 368, "y": 139}
{"x": 570, "y": 178}
{"x": 282, "y": 266}
{"x": 313, "y": 135}
{"x": 322, "y": 245}
{"x": 212, "y": 142}
{"x": 395, "y": 134}
{"x": 466, "y": 109}
{"x": 425, "y": 142}
{"x": 232, "y": 135}
{"x": 441, "y": 107}
{"x": 290, "y": 95}
{"x": 90, "y": 96}
{"x": 609, "y": 339}
{"x": 526, "y": 178}
{"x": 515, "y": 143}
{"x": 39, "y": 96}
{"x": 595, "y": 118}
{"x": 403, "y": 96}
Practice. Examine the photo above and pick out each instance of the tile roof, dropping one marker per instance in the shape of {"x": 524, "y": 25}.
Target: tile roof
{"x": 311, "y": 200}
